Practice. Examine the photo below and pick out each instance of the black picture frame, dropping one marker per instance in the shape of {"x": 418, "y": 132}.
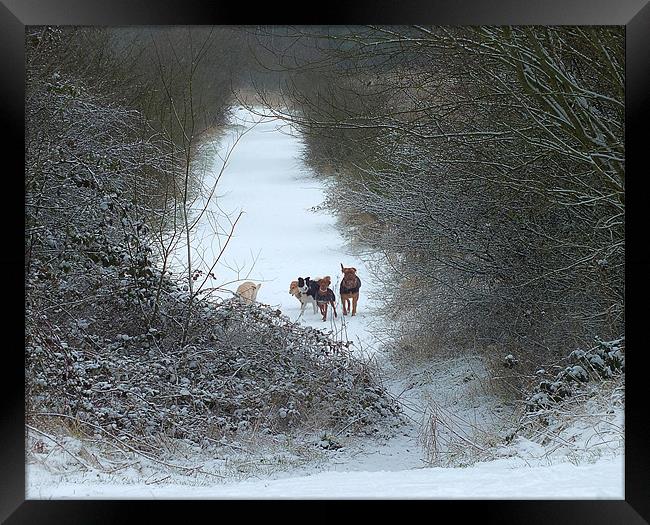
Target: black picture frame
{"x": 633, "y": 14}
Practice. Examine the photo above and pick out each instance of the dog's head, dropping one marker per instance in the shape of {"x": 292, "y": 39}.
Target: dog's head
{"x": 348, "y": 273}
{"x": 325, "y": 281}
{"x": 295, "y": 287}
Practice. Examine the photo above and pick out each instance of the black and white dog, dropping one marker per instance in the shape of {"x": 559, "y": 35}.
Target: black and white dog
{"x": 302, "y": 290}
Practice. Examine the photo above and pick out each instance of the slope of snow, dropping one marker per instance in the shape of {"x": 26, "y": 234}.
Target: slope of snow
{"x": 280, "y": 236}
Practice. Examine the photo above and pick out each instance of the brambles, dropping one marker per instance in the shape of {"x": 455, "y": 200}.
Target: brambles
{"x": 245, "y": 367}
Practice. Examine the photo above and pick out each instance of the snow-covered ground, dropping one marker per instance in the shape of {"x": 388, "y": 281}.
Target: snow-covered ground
{"x": 282, "y": 234}
{"x": 500, "y": 479}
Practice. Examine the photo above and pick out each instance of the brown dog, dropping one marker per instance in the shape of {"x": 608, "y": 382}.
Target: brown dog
{"x": 349, "y": 289}
{"x": 324, "y": 296}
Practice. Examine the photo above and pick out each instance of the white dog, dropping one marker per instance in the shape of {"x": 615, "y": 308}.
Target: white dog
{"x": 300, "y": 293}
{"x": 248, "y": 291}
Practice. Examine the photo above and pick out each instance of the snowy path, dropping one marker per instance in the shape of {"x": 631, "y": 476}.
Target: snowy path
{"x": 277, "y": 239}
{"x": 284, "y": 234}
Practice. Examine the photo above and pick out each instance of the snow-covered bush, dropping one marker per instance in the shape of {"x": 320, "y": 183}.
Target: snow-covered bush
{"x": 601, "y": 362}
{"x": 604, "y": 360}
{"x": 575, "y": 412}
{"x": 246, "y": 367}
